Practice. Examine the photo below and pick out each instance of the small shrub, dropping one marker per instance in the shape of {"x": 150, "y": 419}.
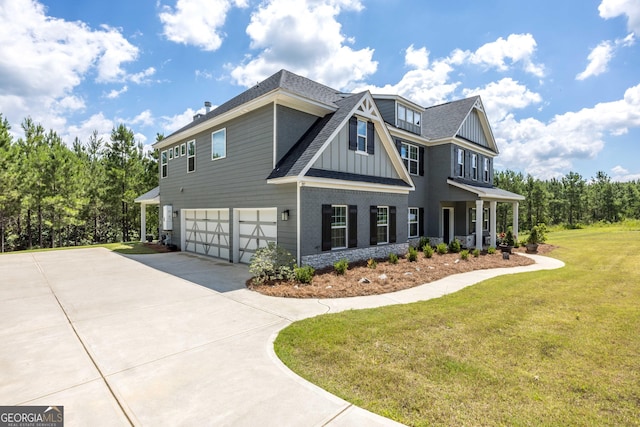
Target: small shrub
{"x": 423, "y": 241}
{"x": 476, "y": 253}
{"x": 371, "y": 263}
{"x": 427, "y": 250}
{"x": 393, "y": 258}
{"x": 491, "y": 250}
{"x": 454, "y": 246}
{"x": 442, "y": 248}
{"x": 464, "y": 254}
{"x": 304, "y": 274}
{"x": 509, "y": 240}
{"x": 341, "y": 266}
{"x": 272, "y": 263}
{"x": 412, "y": 255}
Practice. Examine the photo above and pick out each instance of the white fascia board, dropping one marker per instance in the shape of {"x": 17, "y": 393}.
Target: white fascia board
{"x": 341, "y": 184}
{"x": 407, "y": 136}
{"x": 279, "y": 96}
{"x": 464, "y": 144}
{"x": 485, "y": 195}
{"x": 401, "y": 99}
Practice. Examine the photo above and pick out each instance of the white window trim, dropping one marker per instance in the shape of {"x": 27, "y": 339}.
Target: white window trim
{"x": 409, "y": 159}
{"x": 474, "y": 216}
{"x": 225, "y": 144}
{"x": 358, "y": 135}
{"x": 384, "y": 225}
{"x": 164, "y": 162}
{"x": 345, "y": 226}
{"x": 486, "y": 170}
{"x": 474, "y": 167}
{"x": 183, "y": 149}
{"x": 176, "y": 152}
{"x": 460, "y": 163}
{"x": 416, "y": 221}
{"x": 415, "y": 113}
{"x": 170, "y": 153}
{"x": 189, "y": 156}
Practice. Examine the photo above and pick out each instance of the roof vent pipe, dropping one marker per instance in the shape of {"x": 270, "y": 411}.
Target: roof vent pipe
{"x": 207, "y": 106}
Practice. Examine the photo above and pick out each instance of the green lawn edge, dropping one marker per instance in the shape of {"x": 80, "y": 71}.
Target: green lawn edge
{"x": 557, "y": 347}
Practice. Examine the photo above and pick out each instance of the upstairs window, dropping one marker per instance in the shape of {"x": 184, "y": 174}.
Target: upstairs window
{"x": 164, "y": 167}
{"x": 219, "y": 144}
{"x": 191, "y": 155}
{"x": 474, "y": 167}
{"x": 362, "y": 136}
{"x": 486, "y": 170}
{"x": 408, "y": 119}
{"x": 460, "y": 164}
{"x": 176, "y": 152}
{"x": 409, "y": 154}
{"x": 183, "y": 149}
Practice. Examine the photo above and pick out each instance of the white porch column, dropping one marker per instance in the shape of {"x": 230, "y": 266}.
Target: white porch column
{"x": 479, "y": 222}
{"x": 515, "y": 219}
{"x": 143, "y": 222}
{"x": 492, "y": 222}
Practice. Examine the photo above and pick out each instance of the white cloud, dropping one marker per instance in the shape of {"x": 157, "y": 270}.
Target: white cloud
{"x": 547, "y": 149}
{"x": 197, "y": 22}
{"x": 116, "y": 93}
{"x": 621, "y": 174}
{"x": 502, "y": 97}
{"x": 631, "y": 8}
{"x": 598, "y": 60}
{"x": 305, "y": 37}
{"x": 43, "y": 59}
{"x": 145, "y": 119}
{"x": 602, "y": 54}
{"x": 515, "y": 49}
{"x": 171, "y": 124}
{"x": 97, "y": 122}
{"x": 417, "y": 58}
{"x": 141, "y": 77}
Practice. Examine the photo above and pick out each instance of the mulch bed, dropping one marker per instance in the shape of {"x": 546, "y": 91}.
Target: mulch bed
{"x": 387, "y": 277}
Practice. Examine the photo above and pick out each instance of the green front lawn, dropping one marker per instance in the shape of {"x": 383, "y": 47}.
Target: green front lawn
{"x": 555, "y": 347}
{"x": 132, "y": 248}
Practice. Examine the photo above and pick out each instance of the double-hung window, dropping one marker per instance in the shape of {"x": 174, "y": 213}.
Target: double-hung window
{"x": 460, "y": 163}
{"x": 191, "y": 155}
{"x": 409, "y": 154}
{"x": 383, "y": 224}
{"x": 339, "y": 227}
{"x": 473, "y": 219}
{"x": 414, "y": 222}
{"x": 486, "y": 170}
{"x": 164, "y": 167}
{"x": 362, "y": 136}
{"x": 219, "y": 144}
{"x": 474, "y": 167}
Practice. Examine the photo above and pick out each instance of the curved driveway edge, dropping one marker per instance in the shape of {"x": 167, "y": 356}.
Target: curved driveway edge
{"x": 167, "y": 339}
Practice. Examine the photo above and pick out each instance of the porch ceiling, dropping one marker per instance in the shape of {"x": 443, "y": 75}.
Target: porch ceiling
{"x": 488, "y": 193}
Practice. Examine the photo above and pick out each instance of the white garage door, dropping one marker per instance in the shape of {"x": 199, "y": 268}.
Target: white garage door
{"x": 254, "y": 229}
{"x": 206, "y": 232}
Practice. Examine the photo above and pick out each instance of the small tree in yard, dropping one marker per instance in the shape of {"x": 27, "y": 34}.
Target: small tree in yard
{"x": 272, "y": 263}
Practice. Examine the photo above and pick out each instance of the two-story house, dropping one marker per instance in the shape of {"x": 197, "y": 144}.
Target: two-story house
{"x": 327, "y": 174}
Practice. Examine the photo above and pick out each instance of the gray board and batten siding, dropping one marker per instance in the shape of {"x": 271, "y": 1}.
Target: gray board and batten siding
{"x": 472, "y": 130}
{"x": 338, "y": 157}
{"x": 248, "y": 162}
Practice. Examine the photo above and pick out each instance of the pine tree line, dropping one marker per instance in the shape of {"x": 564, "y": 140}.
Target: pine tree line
{"x": 570, "y": 201}
{"x": 54, "y": 195}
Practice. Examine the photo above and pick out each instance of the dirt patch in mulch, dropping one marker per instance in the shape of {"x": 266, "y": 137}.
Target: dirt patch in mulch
{"x": 387, "y": 277}
{"x": 158, "y": 247}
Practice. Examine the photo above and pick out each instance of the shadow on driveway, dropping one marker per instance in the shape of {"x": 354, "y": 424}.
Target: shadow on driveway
{"x": 221, "y": 276}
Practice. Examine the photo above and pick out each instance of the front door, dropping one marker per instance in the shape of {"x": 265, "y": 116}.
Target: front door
{"x": 447, "y": 214}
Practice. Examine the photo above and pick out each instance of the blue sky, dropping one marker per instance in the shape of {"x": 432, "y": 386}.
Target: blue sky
{"x": 560, "y": 80}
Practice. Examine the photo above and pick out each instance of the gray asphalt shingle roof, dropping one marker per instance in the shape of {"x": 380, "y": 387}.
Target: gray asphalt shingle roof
{"x": 444, "y": 120}
{"x": 282, "y": 79}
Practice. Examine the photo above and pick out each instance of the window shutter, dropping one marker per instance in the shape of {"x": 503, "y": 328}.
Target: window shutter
{"x": 353, "y": 226}
{"x": 392, "y": 224}
{"x": 327, "y": 212}
{"x": 421, "y": 222}
{"x": 371, "y": 137}
{"x": 353, "y": 133}
{"x": 373, "y": 225}
{"x": 421, "y": 161}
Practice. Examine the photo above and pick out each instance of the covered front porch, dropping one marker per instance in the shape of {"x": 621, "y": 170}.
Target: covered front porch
{"x": 151, "y": 197}
{"x": 475, "y": 225}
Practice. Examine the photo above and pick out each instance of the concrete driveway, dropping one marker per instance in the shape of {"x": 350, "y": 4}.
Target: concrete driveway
{"x": 167, "y": 339}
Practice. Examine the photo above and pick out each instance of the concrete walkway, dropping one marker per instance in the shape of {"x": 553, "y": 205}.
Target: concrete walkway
{"x": 167, "y": 339}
